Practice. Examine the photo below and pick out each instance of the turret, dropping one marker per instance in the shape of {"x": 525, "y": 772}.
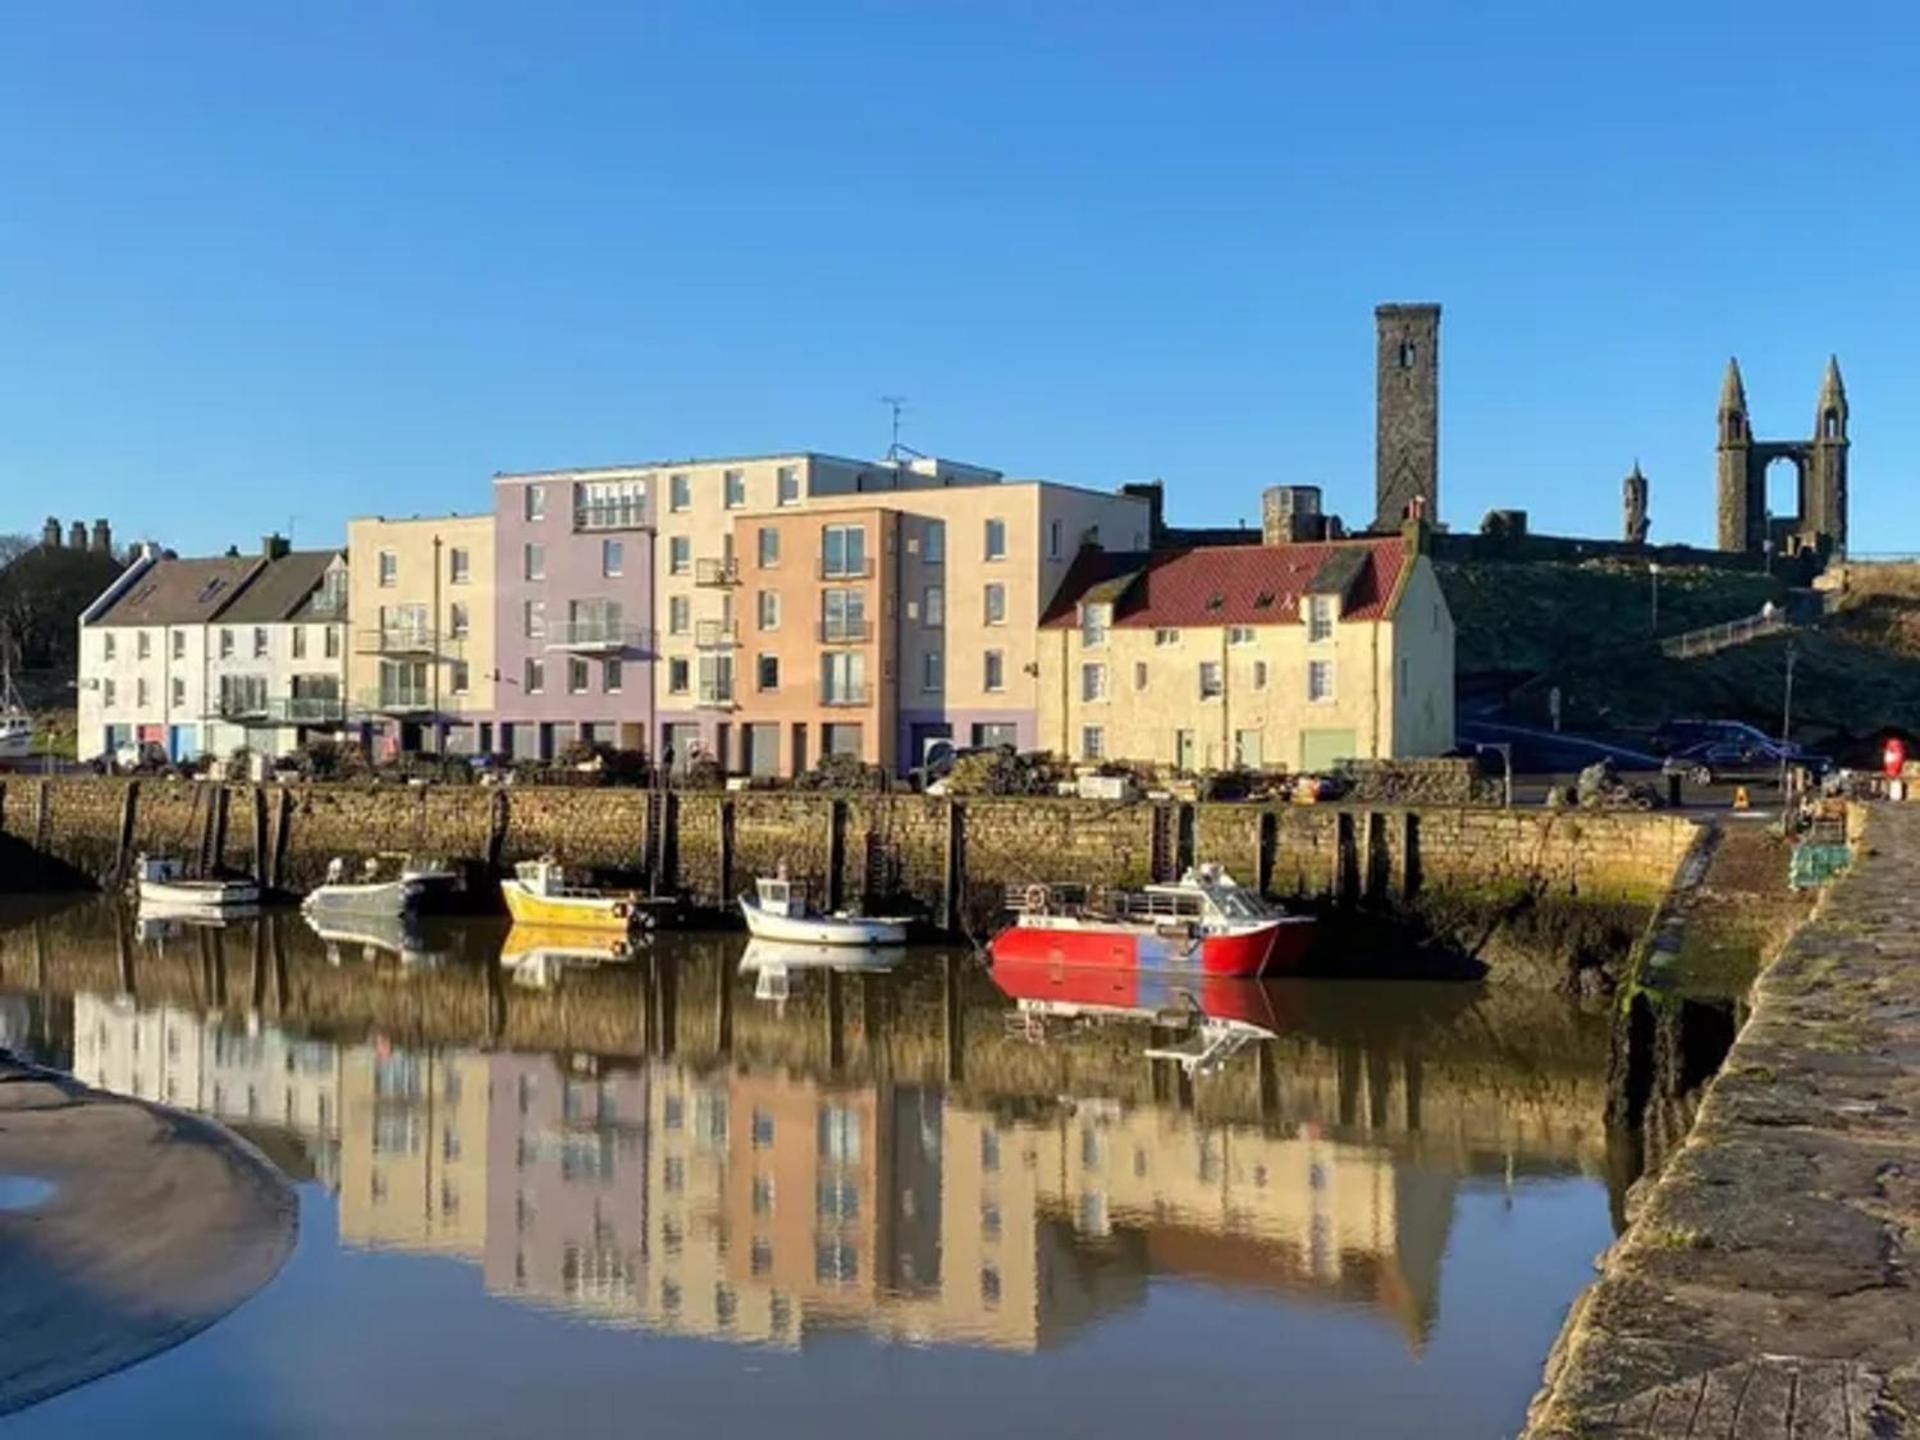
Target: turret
{"x": 1830, "y": 417}
{"x": 1633, "y": 498}
{"x": 1733, "y": 407}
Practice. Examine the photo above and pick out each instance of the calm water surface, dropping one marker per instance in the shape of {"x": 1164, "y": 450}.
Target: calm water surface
{"x": 707, "y": 1188}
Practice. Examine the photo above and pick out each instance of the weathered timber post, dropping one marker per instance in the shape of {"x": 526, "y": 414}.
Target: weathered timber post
{"x": 953, "y": 1020}
{"x": 666, "y": 996}
{"x": 836, "y": 1021}
{"x": 953, "y": 867}
{"x": 218, "y": 986}
{"x": 1408, "y": 882}
{"x": 123, "y": 955}
{"x": 726, "y": 853}
{"x": 1266, "y": 841}
{"x": 43, "y": 819}
{"x": 1183, "y": 859}
{"x": 282, "y": 837}
{"x": 123, "y": 845}
{"x": 262, "y": 840}
{"x": 873, "y": 1023}
{"x": 1374, "y": 881}
{"x": 723, "y": 1006}
{"x": 836, "y": 852}
{"x": 1346, "y": 859}
{"x": 1160, "y": 866}
{"x": 499, "y": 817}
{"x": 1267, "y": 1072}
{"x": 257, "y": 970}
{"x": 280, "y": 969}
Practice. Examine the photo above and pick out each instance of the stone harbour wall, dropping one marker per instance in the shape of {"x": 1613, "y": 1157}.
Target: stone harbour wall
{"x": 955, "y": 857}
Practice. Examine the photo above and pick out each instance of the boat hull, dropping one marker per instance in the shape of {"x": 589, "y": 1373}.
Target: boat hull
{"x": 832, "y": 930}
{"x": 392, "y": 897}
{"x": 215, "y": 897}
{"x": 608, "y": 913}
{"x": 1276, "y": 947}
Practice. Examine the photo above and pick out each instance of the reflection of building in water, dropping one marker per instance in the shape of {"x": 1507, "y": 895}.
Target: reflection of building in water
{"x": 176, "y": 1057}
{"x": 413, "y": 1166}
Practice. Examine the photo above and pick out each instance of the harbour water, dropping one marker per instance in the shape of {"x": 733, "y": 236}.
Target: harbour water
{"x": 702, "y": 1188}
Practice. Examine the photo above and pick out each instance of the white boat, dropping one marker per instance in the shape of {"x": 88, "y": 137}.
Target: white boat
{"x": 772, "y": 963}
{"x": 164, "y": 889}
{"x": 778, "y": 910}
{"x": 369, "y": 895}
{"x": 16, "y": 725}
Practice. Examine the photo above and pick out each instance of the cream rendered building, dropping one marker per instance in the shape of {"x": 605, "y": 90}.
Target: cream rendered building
{"x": 1264, "y": 656}
{"x": 420, "y": 665}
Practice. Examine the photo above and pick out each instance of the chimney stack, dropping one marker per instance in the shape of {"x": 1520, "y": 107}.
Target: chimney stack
{"x": 273, "y": 547}
{"x": 77, "y": 538}
{"x": 102, "y": 538}
{"x": 1290, "y": 514}
{"x": 1154, "y": 492}
{"x": 50, "y": 533}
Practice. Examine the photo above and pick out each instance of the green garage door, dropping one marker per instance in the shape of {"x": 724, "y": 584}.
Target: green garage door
{"x": 1321, "y": 749}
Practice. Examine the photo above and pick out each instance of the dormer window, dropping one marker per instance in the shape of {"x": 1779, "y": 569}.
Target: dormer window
{"x": 1319, "y": 617}
{"x": 1095, "y": 618}
{"x": 1216, "y": 601}
{"x": 1264, "y": 600}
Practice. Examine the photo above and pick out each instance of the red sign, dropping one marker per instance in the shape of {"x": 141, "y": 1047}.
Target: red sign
{"x": 1894, "y": 758}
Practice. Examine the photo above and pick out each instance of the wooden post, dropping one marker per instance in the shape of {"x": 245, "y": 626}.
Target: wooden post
{"x": 1374, "y": 875}
{"x": 1265, "y": 845}
{"x": 1408, "y": 880}
{"x": 499, "y": 817}
{"x": 123, "y": 953}
{"x": 262, "y": 840}
{"x": 1184, "y": 858}
{"x": 665, "y": 995}
{"x": 726, "y": 852}
{"x": 1267, "y": 1071}
{"x": 723, "y": 1006}
{"x": 953, "y": 1020}
{"x": 836, "y": 1021}
{"x": 953, "y": 866}
{"x": 257, "y": 971}
{"x": 123, "y": 849}
{"x": 43, "y": 817}
{"x": 836, "y": 851}
{"x": 1346, "y": 859}
{"x": 282, "y": 837}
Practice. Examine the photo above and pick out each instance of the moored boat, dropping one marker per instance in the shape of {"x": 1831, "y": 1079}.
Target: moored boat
{"x": 164, "y": 888}
{"x": 541, "y": 893}
{"x": 778, "y": 910}
{"x": 16, "y": 725}
{"x": 369, "y": 895}
{"x": 1204, "y": 922}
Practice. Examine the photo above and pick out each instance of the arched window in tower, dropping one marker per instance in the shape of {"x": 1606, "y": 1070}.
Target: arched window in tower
{"x": 1408, "y": 353}
{"x": 1831, "y": 424}
{"x": 1733, "y": 425}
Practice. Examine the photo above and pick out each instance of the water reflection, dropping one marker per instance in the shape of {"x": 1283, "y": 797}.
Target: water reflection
{"x": 928, "y": 1151}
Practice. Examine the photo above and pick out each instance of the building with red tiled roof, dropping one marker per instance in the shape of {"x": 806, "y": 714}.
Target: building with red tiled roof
{"x": 1279, "y": 656}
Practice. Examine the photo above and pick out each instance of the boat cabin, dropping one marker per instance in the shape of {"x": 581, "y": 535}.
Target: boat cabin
{"x": 781, "y": 896}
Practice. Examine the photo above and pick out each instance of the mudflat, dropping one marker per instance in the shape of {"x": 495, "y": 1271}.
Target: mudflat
{"x": 125, "y": 1228}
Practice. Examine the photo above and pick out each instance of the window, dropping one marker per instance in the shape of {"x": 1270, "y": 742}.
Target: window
{"x": 389, "y": 569}
{"x": 680, "y": 554}
{"x": 679, "y": 492}
{"x": 536, "y": 562}
{"x": 612, "y": 676}
{"x": 576, "y": 676}
{"x": 933, "y": 543}
{"x": 996, "y": 604}
{"x": 766, "y": 672}
{"x": 459, "y": 677}
{"x": 843, "y": 615}
{"x": 677, "y": 675}
{"x": 459, "y": 566}
{"x": 259, "y": 642}
{"x": 535, "y": 617}
{"x": 786, "y": 485}
{"x": 1093, "y": 743}
{"x": 1319, "y": 680}
{"x": 179, "y": 644}
{"x": 613, "y": 557}
{"x": 333, "y": 642}
{"x": 1211, "y": 686}
{"x": 1319, "y": 617}
{"x": 107, "y": 693}
{"x": 996, "y": 539}
{"x": 459, "y": 620}
{"x": 1246, "y": 749}
{"x": 933, "y": 672}
{"x": 769, "y": 547}
{"x": 843, "y": 550}
{"x": 1239, "y": 635}
{"x": 536, "y": 677}
{"x": 933, "y": 607}
{"x": 140, "y": 694}
{"x": 843, "y": 677}
{"x": 143, "y": 644}
{"x": 994, "y": 671}
{"x": 1259, "y": 674}
{"x": 1408, "y": 354}
{"x": 536, "y": 502}
{"x": 226, "y": 644}
{"x": 108, "y": 645}
{"x": 734, "y": 486}
{"x": 299, "y": 642}
{"x": 1094, "y": 620}
{"x": 1164, "y": 637}
{"x": 1093, "y": 682}
{"x": 1139, "y": 674}
{"x": 679, "y": 614}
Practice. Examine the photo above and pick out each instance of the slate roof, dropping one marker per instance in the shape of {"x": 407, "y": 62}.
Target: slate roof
{"x": 281, "y": 588}
{"x": 1231, "y": 584}
{"x": 182, "y": 592}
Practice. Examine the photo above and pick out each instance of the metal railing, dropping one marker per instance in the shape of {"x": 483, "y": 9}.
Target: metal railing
{"x": 611, "y": 515}
{"x": 715, "y": 634}
{"x": 406, "y": 640}
{"x": 1710, "y": 638}
{"x": 409, "y": 700}
{"x": 836, "y": 696}
{"x": 307, "y": 710}
{"x": 845, "y": 632}
{"x": 596, "y": 634}
{"x": 714, "y": 695}
{"x": 723, "y": 572}
{"x": 857, "y": 569}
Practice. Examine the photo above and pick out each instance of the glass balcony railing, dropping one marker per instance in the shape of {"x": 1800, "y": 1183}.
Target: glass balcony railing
{"x": 852, "y": 693}
{"x": 597, "y": 633}
{"x": 611, "y": 515}
{"x": 851, "y": 630}
{"x": 715, "y": 695}
{"x": 716, "y": 634}
{"x": 846, "y": 567}
{"x": 722, "y": 573}
{"x": 406, "y": 640}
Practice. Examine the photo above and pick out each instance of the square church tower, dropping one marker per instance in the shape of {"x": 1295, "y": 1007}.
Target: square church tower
{"x": 1406, "y": 445}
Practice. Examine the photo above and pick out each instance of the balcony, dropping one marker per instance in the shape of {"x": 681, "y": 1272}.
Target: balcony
{"x": 408, "y": 701}
{"x": 722, "y": 574}
{"x": 595, "y": 636}
{"x": 715, "y": 634}
{"x": 307, "y": 710}
{"x": 415, "y": 640}
{"x": 845, "y": 632}
{"x": 837, "y": 697}
{"x": 611, "y": 515}
{"x": 715, "y": 695}
{"x": 241, "y": 709}
{"x": 859, "y": 567}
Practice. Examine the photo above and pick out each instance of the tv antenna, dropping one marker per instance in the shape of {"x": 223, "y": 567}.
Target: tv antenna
{"x": 898, "y": 404}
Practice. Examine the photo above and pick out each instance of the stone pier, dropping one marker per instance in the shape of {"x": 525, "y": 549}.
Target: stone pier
{"x": 1765, "y": 1286}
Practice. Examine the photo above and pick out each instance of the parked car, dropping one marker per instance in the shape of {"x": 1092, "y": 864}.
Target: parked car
{"x": 1751, "y": 755}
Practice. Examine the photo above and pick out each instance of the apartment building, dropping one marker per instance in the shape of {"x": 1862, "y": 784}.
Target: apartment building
{"x": 573, "y": 610}
{"x": 421, "y": 662}
{"x": 1260, "y": 656}
{"x": 875, "y": 629}
{"x": 204, "y": 656}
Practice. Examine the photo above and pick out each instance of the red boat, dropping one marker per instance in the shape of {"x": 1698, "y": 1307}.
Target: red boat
{"x": 1204, "y": 923}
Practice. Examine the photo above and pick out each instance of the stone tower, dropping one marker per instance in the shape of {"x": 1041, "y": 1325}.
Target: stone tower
{"x": 1633, "y": 500}
{"x": 1406, "y": 445}
{"x": 1742, "y": 525}
{"x": 1824, "y": 505}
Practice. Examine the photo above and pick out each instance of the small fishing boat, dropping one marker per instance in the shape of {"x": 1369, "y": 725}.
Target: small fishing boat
{"x": 1205, "y": 922}
{"x": 164, "y": 889}
{"x": 778, "y": 910}
{"x": 772, "y": 963}
{"x": 371, "y": 894}
{"x": 541, "y": 893}
{"x": 16, "y": 725}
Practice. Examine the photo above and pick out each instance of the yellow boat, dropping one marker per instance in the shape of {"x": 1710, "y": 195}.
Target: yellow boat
{"x": 540, "y": 894}
{"x": 538, "y": 955}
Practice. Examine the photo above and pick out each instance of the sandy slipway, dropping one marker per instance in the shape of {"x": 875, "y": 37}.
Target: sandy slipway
{"x": 125, "y": 1228}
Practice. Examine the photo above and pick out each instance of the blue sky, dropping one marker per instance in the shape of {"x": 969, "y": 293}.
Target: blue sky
{"x": 262, "y": 262}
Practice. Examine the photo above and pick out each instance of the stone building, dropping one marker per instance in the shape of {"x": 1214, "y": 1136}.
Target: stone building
{"x": 1407, "y": 413}
{"x": 1819, "y": 521}
{"x": 1633, "y": 503}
